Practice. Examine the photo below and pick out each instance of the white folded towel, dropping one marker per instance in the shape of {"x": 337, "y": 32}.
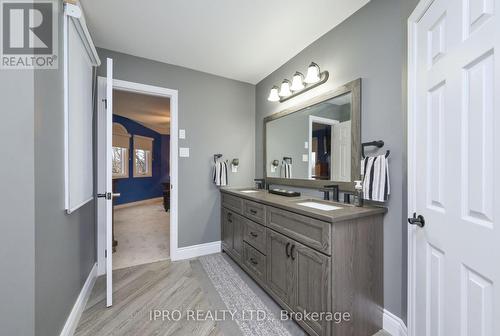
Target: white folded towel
{"x": 286, "y": 169}
{"x": 220, "y": 173}
{"x": 375, "y": 172}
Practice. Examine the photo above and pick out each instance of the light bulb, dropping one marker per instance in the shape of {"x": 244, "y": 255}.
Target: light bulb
{"x": 297, "y": 82}
{"x": 313, "y": 74}
{"x": 285, "y": 89}
{"x": 273, "y": 94}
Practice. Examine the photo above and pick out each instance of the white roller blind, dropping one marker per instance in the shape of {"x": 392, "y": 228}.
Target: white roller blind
{"x": 142, "y": 142}
{"x": 79, "y": 123}
{"x": 120, "y": 136}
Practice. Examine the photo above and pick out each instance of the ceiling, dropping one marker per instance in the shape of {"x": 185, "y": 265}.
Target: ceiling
{"x": 242, "y": 40}
{"x": 150, "y": 111}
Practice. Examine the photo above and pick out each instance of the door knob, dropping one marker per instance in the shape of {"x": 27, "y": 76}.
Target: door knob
{"x": 417, "y": 220}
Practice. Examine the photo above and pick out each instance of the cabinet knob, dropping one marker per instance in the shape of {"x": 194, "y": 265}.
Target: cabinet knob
{"x": 253, "y": 261}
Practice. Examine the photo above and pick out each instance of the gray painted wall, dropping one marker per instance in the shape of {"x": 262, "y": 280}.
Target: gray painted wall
{"x": 218, "y": 115}
{"x": 17, "y": 204}
{"x": 64, "y": 244}
{"x": 370, "y": 44}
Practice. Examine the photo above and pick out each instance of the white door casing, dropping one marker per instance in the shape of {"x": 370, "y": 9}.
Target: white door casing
{"x": 453, "y": 152}
{"x": 317, "y": 120}
{"x": 145, "y": 89}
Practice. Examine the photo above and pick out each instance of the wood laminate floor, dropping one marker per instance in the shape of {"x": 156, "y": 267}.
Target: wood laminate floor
{"x": 163, "y": 285}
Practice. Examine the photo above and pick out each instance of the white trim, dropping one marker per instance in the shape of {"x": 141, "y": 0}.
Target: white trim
{"x": 79, "y": 306}
{"x": 393, "y": 324}
{"x": 194, "y": 251}
{"x": 174, "y": 149}
{"x": 76, "y": 14}
{"x": 319, "y": 120}
{"x": 143, "y": 202}
{"x": 413, "y": 20}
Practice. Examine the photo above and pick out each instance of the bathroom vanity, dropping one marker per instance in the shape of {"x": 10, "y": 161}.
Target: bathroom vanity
{"x": 310, "y": 259}
{"x": 308, "y": 254}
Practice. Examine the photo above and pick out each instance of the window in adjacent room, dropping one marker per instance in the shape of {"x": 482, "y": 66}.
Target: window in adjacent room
{"x": 143, "y": 156}
{"x": 121, "y": 147}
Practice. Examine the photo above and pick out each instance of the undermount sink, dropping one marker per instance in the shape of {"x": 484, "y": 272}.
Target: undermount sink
{"x": 319, "y": 206}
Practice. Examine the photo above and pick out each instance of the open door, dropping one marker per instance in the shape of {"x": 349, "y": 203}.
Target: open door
{"x": 105, "y": 176}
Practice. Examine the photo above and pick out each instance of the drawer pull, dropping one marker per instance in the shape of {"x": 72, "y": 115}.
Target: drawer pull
{"x": 253, "y": 234}
{"x": 229, "y": 217}
{"x": 253, "y": 211}
{"x": 253, "y": 261}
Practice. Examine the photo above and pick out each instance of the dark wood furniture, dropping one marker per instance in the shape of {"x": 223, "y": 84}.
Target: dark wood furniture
{"x": 310, "y": 260}
{"x": 166, "y": 195}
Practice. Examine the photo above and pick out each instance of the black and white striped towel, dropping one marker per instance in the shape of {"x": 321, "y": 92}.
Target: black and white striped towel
{"x": 375, "y": 172}
{"x": 220, "y": 173}
{"x": 286, "y": 169}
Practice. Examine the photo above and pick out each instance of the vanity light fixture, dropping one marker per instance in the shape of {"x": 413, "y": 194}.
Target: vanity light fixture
{"x": 285, "y": 88}
{"x": 313, "y": 74}
{"x": 273, "y": 95}
{"x": 299, "y": 84}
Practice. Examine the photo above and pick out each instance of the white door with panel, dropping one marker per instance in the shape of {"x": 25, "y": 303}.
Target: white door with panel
{"x": 341, "y": 152}
{"x": 105, "y": 174}
{"x": 454, "y": 167}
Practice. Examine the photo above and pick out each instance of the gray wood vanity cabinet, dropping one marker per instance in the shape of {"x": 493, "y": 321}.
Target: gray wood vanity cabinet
{"x": 310, "y": 260}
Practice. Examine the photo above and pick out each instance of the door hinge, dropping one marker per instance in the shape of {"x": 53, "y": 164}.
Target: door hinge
{"x": 105, "y": 103}
{"x": 105, "y": 253}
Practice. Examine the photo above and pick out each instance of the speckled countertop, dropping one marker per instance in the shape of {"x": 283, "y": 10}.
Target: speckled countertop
{"x": 347, "y": 212}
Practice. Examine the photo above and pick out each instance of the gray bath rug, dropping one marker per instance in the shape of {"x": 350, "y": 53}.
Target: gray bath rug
{"x": 239, "y": 297}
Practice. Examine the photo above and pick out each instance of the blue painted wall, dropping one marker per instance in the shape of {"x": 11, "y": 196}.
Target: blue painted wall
{"x": 133, "y": 189}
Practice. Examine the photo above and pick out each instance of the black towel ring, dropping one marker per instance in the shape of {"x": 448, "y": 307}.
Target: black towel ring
{"x": 378, "y": 144}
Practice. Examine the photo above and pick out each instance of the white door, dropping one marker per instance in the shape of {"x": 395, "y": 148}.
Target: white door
{"x": 454, "y": 166}
{"x": 341, "y": 152}
{"x": 105, "y": 179}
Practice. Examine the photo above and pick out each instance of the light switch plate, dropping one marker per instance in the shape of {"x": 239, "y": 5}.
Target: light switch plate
{"x": 184, "y": 151}
{"x": 305, "y": 157}
{"x": 306, "y": 145}
{"x": 234, "y": 169}
{"x": 182, "y": 134}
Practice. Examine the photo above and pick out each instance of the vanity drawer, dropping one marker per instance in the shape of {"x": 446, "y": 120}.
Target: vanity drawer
{"x": 254, "y": 211}
{"x": 311, "y": 232}
{"x": 255, "y": 235}
{"x": 255, "y": 262}
{"x": 232, "y": 202}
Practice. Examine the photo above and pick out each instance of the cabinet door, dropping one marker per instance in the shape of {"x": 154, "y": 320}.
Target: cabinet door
{"x": 312, "y": 287}
{"x": 238, "y": 232}
{"x": 279, "y": 267}
{"x": 227, "y": 230}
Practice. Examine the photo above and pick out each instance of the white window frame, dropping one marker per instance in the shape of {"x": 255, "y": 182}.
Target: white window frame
{"x": 149, "y": 155}
{"x": 125, "y": 162}
{"x": 121, "y": 135}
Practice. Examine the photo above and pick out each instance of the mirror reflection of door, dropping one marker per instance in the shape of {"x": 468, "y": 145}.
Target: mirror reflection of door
{"x": 321, "y": 140}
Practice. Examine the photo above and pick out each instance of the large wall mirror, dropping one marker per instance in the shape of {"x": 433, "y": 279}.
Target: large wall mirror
{"x": 317, "y": 143}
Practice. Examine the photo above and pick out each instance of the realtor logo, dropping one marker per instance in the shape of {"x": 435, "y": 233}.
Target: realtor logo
{"x": 29, "y": 35}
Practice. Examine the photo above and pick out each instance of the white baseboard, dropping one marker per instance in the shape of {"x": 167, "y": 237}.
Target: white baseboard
{"x": 394, "y": 325}
{"x": 79, "y": 306}
{"x": 194, "y": 251}
{"x": 143, "y": 202}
